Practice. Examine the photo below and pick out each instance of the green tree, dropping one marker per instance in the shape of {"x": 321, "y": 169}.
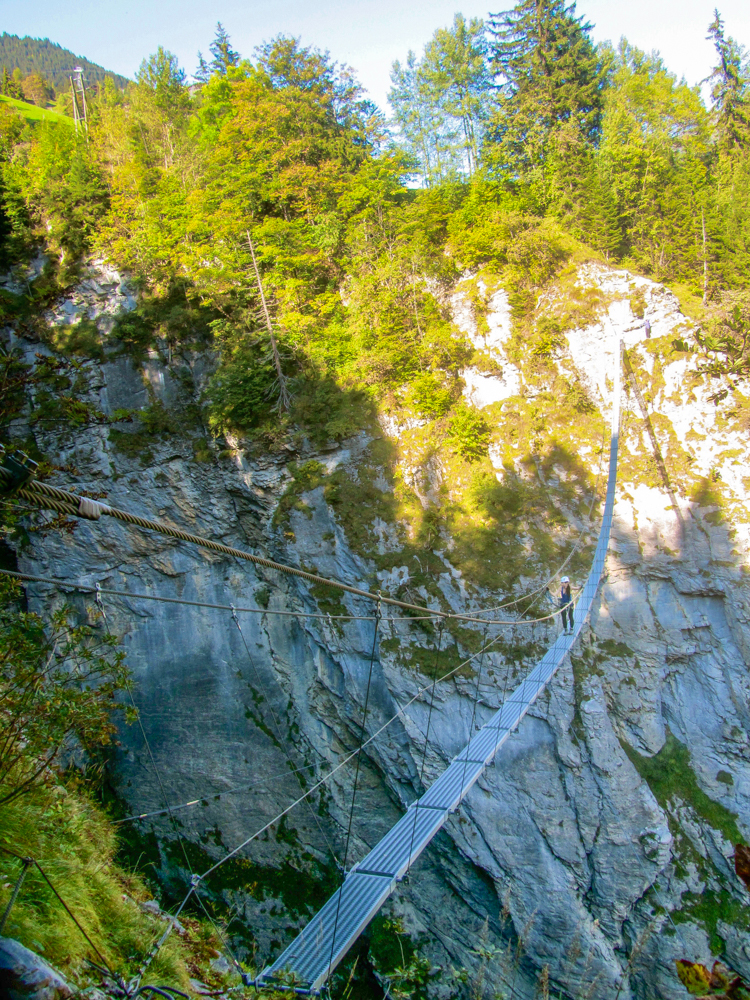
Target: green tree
{"x": 455, "y": 68}
{"x": 425, "y": 135}
{"x": 729, "y": 88}
{"x": 224, "y": 56}
{"x": 440, "y": 103}
{"x": 37, "y": 90}
{"x": 654, "y": 160}
{"x": 551, "y": 81}
{"x": 202, "y": 73}
{"x": 58, "y": 682}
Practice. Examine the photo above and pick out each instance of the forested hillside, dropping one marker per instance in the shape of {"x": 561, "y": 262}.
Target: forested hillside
{"x": 40, "y": 55}
{"x": 36, "y": 69}
{"x": 527, "y": 138}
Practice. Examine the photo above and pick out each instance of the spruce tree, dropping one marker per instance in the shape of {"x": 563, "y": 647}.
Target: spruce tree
{"x": 548, "y": 73}
{"x": 202, "y": 73}
{"x": 729, "y": 88}
{"x": 221, "y": 49}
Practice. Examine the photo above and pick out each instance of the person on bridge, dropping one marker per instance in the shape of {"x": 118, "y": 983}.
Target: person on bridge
{"x": 566, "y": 603}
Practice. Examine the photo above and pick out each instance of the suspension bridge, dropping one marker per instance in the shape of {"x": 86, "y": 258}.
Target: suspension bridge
{"x": 307, "y": 963}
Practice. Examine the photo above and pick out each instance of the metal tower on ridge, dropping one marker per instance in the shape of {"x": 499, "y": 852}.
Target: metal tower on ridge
{"x": 78, "y": 92}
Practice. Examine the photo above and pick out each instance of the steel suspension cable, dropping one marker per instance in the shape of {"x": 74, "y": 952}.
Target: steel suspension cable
{"x": 280, "y": 738}
{"x": 74, "y": 505}
{"x": 363, "y": 730}
{"x": 175, "y": 826}
{"x": 400, "y": 712}
{"x": 427, "y": 737}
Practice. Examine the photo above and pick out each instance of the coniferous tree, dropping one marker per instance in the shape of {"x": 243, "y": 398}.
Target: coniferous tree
{"x": 729, "y": 88}
{"x": 202, "y": 73}
{"x": 549, "y": 74}
{"x": 221, "y": 49}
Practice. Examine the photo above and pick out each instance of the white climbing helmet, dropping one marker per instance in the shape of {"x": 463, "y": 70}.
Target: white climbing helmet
{"x": 565, "y": 579}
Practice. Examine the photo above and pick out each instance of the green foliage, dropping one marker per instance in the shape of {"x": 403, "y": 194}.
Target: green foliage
{"x": 469, "y": 433}
{"x": 76, "y": 843}
{"x": 669, "y": 773}
{"x": 239, "y": 393}
{"x": 429, "y": 396}
{"x": 728, "y": 338}
{"x": 694, "y": 977}
{"x": 58, "y": 682}
{"x": 148, "y": 425}
{"x": 49, "y": 389}
{"x": 57, "y": 177}
{"x": 82, "y": 339}
{"x": 552, "y": 81}
{"x": 440, "y": 102}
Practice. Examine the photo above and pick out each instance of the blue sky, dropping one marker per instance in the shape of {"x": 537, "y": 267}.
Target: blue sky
{"x": 367, "y": 34}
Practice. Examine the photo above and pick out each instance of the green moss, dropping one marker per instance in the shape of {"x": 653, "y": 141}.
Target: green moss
{"x": 391, "y": 645}
{"x": 708, "y": 908}
{"x": 150, "y": 424}
{"x": 262, "y": 596}
{"x": 300, "y": 881}
{"x": 390, "y": 948}
{"x": 613, "y": 648}
{"x": 132, "y": 444}
{"x": 668, "y": 773}
{"x": 83, "y": 339}
{"x": 330, "y": 600}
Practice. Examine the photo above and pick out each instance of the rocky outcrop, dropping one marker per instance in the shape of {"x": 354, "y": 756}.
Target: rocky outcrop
{"x": 600, "y": 844}
{"x": 26, "y": 976}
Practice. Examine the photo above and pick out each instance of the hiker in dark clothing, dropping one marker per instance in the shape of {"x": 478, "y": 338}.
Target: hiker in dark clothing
{"x": 566, "y": 603}
{"x": 647, "y": 328}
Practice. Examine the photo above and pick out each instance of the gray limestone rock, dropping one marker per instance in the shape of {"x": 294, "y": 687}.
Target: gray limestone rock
{"x": 26, "y": 976}
{"x": 565, "y": 857}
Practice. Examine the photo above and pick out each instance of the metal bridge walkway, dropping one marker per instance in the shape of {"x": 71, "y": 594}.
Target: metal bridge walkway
{"x": 316, "y": 951}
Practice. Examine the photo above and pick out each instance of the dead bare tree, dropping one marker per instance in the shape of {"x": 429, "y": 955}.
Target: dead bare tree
{"x": 285, "y": 399}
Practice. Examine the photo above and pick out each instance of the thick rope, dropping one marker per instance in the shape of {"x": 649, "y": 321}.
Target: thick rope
{"x": 71, "y": 504}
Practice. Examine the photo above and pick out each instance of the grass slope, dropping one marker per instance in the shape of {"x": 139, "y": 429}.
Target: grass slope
{"x": 75, "y": 842}
{"x": 34, "y": 114}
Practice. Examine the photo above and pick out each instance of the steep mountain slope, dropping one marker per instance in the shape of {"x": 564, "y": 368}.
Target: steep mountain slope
{"x": 599, "y": 848}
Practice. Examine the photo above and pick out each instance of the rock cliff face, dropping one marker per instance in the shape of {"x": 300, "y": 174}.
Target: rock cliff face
{"x": 600, "y": 844}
